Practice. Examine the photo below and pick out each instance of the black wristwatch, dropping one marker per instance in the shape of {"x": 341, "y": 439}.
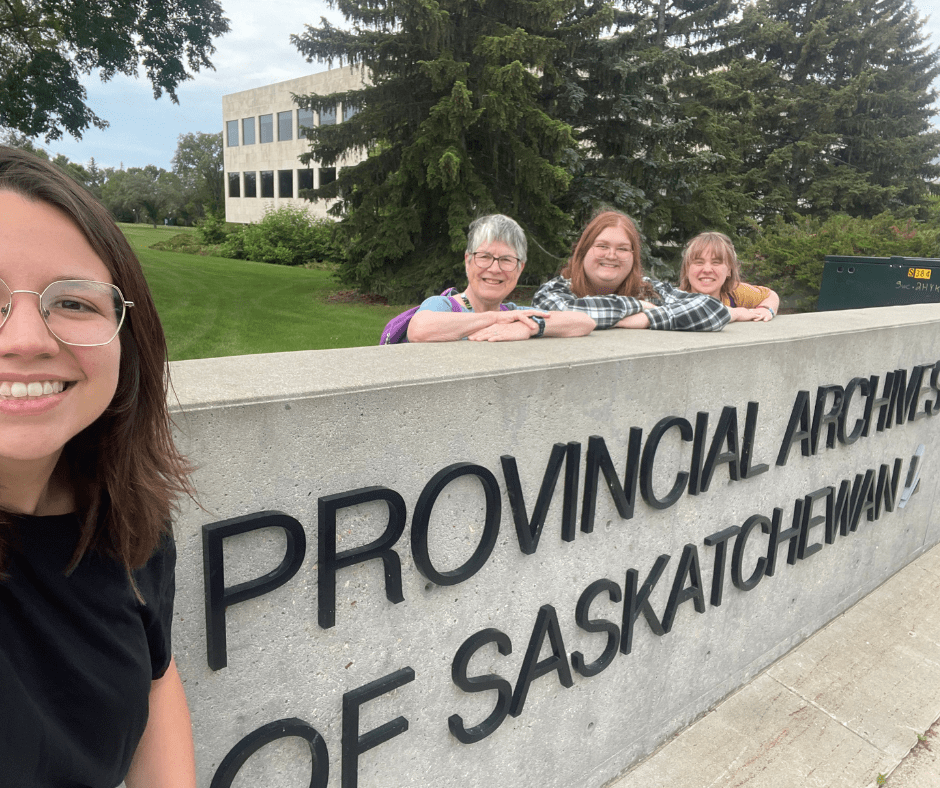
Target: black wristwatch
{"x": 540, "y": 322}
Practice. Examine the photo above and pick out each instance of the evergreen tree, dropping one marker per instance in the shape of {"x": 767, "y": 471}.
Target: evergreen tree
{"x": 826, "y": 110}
{"x": 459, "y": 118}
{"x": 628, "y": 100}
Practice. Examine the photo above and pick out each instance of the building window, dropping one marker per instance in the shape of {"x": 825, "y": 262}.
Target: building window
{"x": 251, "y": 189}
{"x": 304, "y": 120}
{"x": 285, "y": 125}
{"x": 248, "y": 131}
{"x": 304, "y": 181}
{"x": 349, "y": 111}
{"x": 231, "y": 133}
{"x": 327, "y": 175}
{"x": 267, "y": 182}
{"x": 285, "y": 183}
{"x": 266, "y": 128}
{"x": 328, "y": 116}
{"x": 233, "y": 190}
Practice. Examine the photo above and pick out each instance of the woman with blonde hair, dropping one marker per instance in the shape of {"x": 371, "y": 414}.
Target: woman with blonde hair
{"x": 604, "y": 279}
{"x": 710, "y": 266}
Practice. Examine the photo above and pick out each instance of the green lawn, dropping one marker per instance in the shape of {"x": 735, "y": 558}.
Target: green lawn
{"x": 211, "y": 306}
{"x": 143, "y": 235}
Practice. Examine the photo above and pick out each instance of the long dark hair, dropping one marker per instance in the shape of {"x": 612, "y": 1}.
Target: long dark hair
{"x": 633, "y": 285}
{"x": 125, "y": 469}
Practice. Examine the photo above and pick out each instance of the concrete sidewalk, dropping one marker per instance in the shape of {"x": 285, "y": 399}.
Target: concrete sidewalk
{"x": 855, "y": 705}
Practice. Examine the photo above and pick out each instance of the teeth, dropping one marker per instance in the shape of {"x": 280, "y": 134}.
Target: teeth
{"x": 34, "y": 389}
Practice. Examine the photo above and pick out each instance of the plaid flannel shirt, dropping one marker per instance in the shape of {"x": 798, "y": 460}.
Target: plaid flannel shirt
{"x": 680, "y": 311}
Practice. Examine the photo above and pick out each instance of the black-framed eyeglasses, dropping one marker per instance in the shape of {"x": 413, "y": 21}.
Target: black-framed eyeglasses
{"x": 506, "y": 263}
{"x": 76, "y": 311}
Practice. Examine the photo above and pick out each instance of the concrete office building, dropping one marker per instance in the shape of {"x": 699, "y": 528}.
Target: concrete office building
{"x": 263, "y": 140}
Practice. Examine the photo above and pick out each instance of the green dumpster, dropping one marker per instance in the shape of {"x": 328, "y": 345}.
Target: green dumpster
{"x": 858, "y": 282}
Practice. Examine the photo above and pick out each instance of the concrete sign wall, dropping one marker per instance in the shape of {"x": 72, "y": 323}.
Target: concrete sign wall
{"x": 528, "y": 564}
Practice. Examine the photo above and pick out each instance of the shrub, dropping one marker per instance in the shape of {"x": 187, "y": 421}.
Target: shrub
{"x": 790, "y": 257}
{"x": 285, "y": 236}
{"x": 212, "y": 229}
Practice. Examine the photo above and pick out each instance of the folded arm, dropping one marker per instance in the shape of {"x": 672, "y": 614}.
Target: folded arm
{"x": 758, "y": 304}
{"x": 604, "y": 311}
{"x": 430, "y": 326}
{"x": 557, "y": 324}
{"x": 683, "y": 311}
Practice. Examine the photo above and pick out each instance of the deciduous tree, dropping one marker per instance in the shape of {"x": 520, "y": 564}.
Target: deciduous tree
{"x": 46, "y": 46}
{"x": 198, "y": 164}
{"x": 142, "y": 192}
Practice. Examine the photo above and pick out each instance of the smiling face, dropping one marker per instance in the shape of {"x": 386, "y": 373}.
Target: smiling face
{"x": 66, "y": 388}
{"x": 609, "y": 261}
{"x": 490, "y": 286}
{"x": 707, "y": 272}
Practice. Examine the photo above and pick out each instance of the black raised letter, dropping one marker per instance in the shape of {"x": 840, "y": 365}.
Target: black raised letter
{"x": 635, "y": 603}
{"x": 218, "y": 597}
{"x": 355, "y": 745}
{"x": 725, "y": 433}
{"x": 799, "y": 417}
{"x": 737, "y": 558}
{"x": 862, "y": 385}
{"x": 777, "y": 536}
{"x": 225, "y": 775}
{"x": 330, "y": 560}
{"x": 491, "y": 681}
{"x": 886, "y": 489}
{"x": 720, "y": 542}
{"x": 747, "y": 449}
{"x": 810, "y": 521}
{"x": 688, "y": 567}
{"x": 422, "y": 519}
{"x": 598, "y": 459}
{"x": 546, "y": 623}
{"x": 830, "y": 418}
{"x": 528, "y": 532}
{"x": 582, "y": 617}
{"x": 649, "y": 457}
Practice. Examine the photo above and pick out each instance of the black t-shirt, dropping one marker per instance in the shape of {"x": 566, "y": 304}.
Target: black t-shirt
{"x": 77, "y": 655}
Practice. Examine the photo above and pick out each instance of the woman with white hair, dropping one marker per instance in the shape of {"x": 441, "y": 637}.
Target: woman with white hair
{"x": 494, "y": 260}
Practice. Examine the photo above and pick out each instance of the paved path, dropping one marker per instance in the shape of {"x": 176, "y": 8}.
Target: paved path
{"x": 853, "y": 706}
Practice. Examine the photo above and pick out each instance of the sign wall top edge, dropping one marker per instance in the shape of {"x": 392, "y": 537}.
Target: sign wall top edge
{"x": 272, "y": 377}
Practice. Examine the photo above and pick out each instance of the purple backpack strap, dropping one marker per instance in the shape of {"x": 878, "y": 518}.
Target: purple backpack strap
{"x": 396, "y": 330}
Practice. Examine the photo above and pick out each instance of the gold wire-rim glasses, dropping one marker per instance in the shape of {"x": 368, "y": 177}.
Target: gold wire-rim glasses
{"x": 79, "y": 293}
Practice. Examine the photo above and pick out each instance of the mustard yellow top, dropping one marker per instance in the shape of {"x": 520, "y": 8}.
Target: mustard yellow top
{"x": 747, "y": 296}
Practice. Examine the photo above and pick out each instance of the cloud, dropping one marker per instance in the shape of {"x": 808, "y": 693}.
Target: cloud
{"x": 256, "y": 51}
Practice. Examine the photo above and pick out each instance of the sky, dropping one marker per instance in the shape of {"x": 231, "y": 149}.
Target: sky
{"x": 255, "y": 52}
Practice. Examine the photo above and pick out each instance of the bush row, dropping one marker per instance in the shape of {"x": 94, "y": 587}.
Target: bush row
{"x": 790, "y": 257}
{"x": 285, "y": 236}
{"x": 787, "y": 257}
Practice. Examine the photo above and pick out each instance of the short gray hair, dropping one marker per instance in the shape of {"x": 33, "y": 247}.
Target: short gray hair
{"x": 497, "y": 227}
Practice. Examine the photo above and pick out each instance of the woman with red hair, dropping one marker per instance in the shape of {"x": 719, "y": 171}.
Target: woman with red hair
{"x": 604, "y": 279}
